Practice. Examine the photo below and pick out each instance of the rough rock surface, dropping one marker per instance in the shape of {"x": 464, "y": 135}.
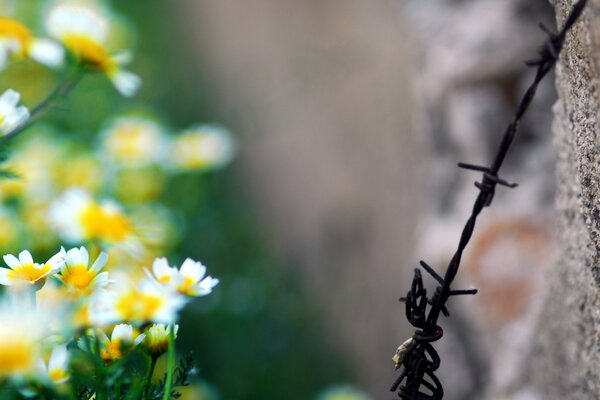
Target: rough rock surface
{"x": 566, "y": 358}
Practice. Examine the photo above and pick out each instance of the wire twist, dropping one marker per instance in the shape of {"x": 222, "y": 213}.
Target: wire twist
{"x": 417, "y": 358}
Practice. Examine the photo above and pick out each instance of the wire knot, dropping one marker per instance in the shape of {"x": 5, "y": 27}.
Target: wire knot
{"x": 488, "y": 183}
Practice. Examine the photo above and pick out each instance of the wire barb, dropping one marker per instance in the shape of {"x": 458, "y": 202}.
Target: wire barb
{"x": 416, "y": 358}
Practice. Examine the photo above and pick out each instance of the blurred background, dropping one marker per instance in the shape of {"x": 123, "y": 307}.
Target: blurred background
{"x": 349, "y": 117}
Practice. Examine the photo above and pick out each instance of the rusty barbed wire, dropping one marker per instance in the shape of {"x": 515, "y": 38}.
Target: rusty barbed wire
{"x": 416, "y": 357}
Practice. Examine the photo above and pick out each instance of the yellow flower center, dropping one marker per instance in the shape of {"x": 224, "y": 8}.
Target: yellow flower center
{"x": 127, "y": 140}
{"x": 90, "y": 52}
{"x": 77, "y": 276}
{"x": 112, "y": 351}
{"x": 57, "y": 374}
{"x": 9, "y": 28}
{"x": 17, "y": 356}
{"x": 186, "y": 150}
{"x": 136, "y": 306}
{"x": 100, "y": 224}
{"x": 29, "y": 272}
{"x": 164, "y": 279}
{"x": 186, "y": 285}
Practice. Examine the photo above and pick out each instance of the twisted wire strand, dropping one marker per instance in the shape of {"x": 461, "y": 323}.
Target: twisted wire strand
{"x": 417, "y": 358}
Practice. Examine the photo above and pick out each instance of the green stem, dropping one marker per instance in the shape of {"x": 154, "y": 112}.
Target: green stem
{"x": 101, "y": 389}
{"x": 150, "y": 374}
{"x": 170, "y": 363}
{"x": 61, "y": 90}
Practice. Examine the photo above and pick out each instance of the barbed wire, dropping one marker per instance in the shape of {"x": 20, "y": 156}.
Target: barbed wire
{"x": 416, "y": 357}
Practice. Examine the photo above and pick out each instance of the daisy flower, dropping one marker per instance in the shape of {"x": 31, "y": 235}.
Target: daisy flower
{"x": 17, "y": 41}
{"x": 190, "y": 279}
{"x": 157, "y": 339}
{"x": 23, "y": 270}
{"x": 121, "y": 340}
{"x": 202, "y": 147}
{"x": 57, "y": 367}
{"x": 84, "y": 31}
{"x": 78, "y": 276}
{"x": 137, "y": 303}
{"x": 77, "y": 217}
{"x": 12, "y": 115}
{"x": 21, "y": 331}
{"x": 134, "y": 142}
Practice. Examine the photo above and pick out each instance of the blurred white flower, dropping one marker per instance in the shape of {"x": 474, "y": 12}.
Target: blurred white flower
{"x": 202, "y": 147}
{"x": 190, "y": 279}
{"x": 84, "y": 29}
{"x": 17, "y": 41}
{"x": 77, "y": 217}
{"x": 57, "y": 368}
{"x": 12, "y": 115}
{"x": 134, "y": 142}
{"x": 21, "y": 332}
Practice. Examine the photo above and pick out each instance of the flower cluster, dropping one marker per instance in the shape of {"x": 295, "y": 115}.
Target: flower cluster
{"x": 91, "y": 321}
{"x": 109, "y": 195}
{"x": 79, "y": 307}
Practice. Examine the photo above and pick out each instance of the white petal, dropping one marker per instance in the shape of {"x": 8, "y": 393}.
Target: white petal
{"x": 59, "y": 358}
{"x": 85, "y": 257}
{"x": 15, "y": 119}
{"x": 123, "y": 332}
{"x": 161, "y": 268}
{"x": 11, "y": 261}
{"x": 57, "y": 260}
{"x": 70, "y": 18}
{"x": 25, "y": 257}
{"x": 101, "y": 279}
{"x": 192, "y": 269}
{"x": 139, "y": 339}
{"x": 123, "y": 57}
{"x": 204, "y": 287}
{"x": 127, "y": 83}
{"x": 209, "y": 282}
{"x": 4, "y": 279}
{"x": 100, "y": 262}
{"x": 73, "y": 257}
{"x": 47, "y": 52}
{"x": 8, "y": 100}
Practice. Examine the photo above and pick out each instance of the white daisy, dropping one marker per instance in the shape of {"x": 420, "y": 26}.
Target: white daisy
{"x": 12, "y": 115}
{"x": 121, "y": 340}
{"x": 138, "y": 303}
{"x": 23, "y": 270}
{"x": 190, "y": 279}
{"x": 157, "y": 339}
{"x": 78, "y": 276}
{"x": 83, "y": 30}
